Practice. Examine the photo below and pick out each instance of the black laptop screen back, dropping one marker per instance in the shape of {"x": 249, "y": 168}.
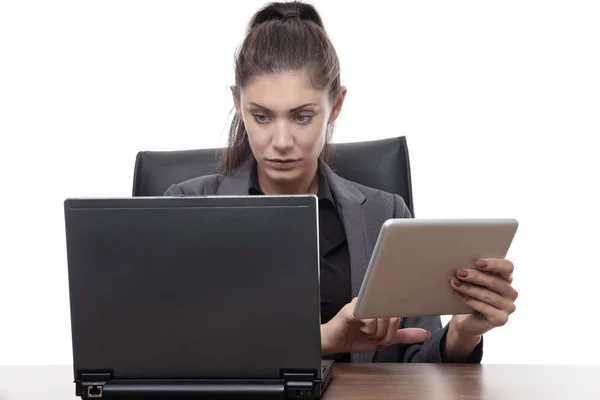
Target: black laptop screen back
{"x": 194, "y": 287}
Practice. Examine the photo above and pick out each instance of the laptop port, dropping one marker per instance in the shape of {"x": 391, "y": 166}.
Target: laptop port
{"x": 94, "y": 392}
{"x": 301, "y": 394}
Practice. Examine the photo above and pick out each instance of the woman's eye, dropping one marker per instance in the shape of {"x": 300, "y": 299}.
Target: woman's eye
{"x": 261, "y": 118}
{"x": 303, "y": 118}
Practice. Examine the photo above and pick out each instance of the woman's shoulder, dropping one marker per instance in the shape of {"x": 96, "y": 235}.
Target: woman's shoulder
{"x": 206, "y": 185}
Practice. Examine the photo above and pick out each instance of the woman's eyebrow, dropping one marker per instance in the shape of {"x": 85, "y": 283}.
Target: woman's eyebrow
{"x": 256, "y": 105}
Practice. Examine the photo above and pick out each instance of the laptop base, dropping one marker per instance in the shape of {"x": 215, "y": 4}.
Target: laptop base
{"x": 292, "y": 385}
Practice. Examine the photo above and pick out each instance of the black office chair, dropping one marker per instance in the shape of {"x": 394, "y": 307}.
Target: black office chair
{"x": 382, "y": 164}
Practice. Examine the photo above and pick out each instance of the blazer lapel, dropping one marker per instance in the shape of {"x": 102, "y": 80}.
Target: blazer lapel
{"x": 352, "y": 217}
{"x": 350, "y": 202}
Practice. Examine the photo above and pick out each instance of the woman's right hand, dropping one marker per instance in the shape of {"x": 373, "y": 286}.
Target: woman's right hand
{"x": 346, "y": 334}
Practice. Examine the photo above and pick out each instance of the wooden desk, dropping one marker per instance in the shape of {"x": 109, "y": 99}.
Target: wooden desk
{"x": 465, "y": 382}
{"x": 374, "y": 381}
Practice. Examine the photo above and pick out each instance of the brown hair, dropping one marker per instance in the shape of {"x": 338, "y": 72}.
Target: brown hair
{"x": 281, "y": 37}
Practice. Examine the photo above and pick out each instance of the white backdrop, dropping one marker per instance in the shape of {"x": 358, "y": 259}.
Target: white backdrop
{"x": 500, "y": 102}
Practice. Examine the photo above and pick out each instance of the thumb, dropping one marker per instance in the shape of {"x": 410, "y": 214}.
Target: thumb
{"x": 412, "y": 335}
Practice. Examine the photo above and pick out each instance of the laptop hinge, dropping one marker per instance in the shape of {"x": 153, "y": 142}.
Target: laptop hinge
{"x": 300, "y": 385}
{"x": 90, "y": 385}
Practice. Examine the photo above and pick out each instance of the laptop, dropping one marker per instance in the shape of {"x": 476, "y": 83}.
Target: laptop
{"x": 195, "y": 297}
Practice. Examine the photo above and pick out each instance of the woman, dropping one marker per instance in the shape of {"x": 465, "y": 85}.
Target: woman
{"x": 287, "y": 96}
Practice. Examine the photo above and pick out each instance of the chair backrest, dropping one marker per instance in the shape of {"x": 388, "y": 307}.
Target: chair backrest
{"x": 381, "y": 164}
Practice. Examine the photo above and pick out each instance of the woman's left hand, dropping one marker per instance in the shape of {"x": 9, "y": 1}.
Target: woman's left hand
{"x": 488, "y": 290}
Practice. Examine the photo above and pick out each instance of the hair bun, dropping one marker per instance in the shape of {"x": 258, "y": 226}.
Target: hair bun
{"x": 286, "y": 11}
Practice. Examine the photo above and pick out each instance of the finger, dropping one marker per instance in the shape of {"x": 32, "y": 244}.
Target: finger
{"x": 485, "y": 295}
{"x": 390, "y": 335}
{"x": 492, "y": 315}
{"x": 369, "y": 326}
{"x": 503, "y": 267}
{"x": 489, "y": 280}
{"x": 411, "y": 335}
{"x": 348, "y": 311}
{"x": 382, "y": 327}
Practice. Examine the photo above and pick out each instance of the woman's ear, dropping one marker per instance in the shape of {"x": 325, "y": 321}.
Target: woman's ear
{"x": 236, "y": 101}
{"x": 337, "y": 105}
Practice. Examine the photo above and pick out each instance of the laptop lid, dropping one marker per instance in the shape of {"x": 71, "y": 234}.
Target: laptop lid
{"x": 194, "y": 287}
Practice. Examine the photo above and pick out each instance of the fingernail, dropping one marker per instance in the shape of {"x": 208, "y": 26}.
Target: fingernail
{"x": 456, "y": 282}
{"x": 429, "y": 335}
{"x": 462, "y": 273}
{"x": 481, "y": 263}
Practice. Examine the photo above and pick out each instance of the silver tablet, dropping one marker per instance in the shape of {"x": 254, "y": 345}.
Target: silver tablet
{"x": 414, "y": 260}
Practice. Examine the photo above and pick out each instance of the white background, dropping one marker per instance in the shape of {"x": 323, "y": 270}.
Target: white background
{"x": 500, "y": 102}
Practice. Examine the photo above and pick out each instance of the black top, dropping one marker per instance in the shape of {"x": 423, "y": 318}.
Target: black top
{"x": 336, "y": 289}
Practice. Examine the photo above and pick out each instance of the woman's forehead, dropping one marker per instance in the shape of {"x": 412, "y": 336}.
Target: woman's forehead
{"x": 282, "y": 90}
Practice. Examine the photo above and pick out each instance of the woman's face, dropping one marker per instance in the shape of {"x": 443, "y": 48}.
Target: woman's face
{"x": 286, "y": 121}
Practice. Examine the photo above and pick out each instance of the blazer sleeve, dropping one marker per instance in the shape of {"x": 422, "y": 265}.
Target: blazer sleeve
{"x": 432, "y": 349}
{"x": 173, "y": 190}
{"x": 201, "y": 186}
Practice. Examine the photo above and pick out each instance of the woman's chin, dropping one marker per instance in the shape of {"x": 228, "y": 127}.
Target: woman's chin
{"x": 285, "y": 179}
{"x": 284, "y": 176}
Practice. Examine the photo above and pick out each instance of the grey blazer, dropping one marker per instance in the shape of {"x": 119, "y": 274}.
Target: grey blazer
{"x": 363, "y": 211}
